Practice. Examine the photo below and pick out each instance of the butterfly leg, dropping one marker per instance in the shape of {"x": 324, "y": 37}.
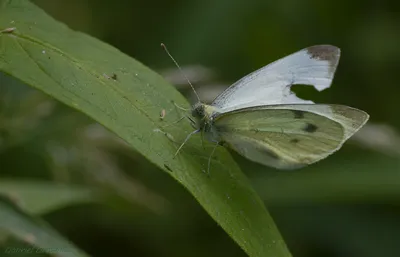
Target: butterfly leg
{"x": 202, "y": 139}
{"x": 192, "y": 122}
{"x": 209, "y": 159}
{"x": 181, "y": 108}
{"x": 181, "y": 118}
{"x": 186, "y": 139}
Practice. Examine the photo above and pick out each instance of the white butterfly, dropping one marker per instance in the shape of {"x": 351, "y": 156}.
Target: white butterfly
{"x": 261, "y": 119}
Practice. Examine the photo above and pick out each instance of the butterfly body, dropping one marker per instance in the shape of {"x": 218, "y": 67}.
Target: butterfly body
{"x": 261, "y": 119}
{"x": 204, "y": 115}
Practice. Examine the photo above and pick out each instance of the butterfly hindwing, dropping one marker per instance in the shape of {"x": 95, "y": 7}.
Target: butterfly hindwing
{"x": 285, "y": 138}
{"x": 351, "y": 119}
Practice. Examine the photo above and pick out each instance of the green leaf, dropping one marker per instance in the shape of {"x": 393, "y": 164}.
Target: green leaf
{"x": 37, "y": 197}
{"x": 34, "y": 232}
{"x": 78, "y": 70}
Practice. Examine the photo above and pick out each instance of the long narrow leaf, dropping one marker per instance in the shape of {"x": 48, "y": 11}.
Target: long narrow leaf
{"x": 127, "y": 97}
{"x": 35, "y": 232}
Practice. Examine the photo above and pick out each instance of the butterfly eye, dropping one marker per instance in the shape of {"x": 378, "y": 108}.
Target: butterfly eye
{"x": 198, "y": 111}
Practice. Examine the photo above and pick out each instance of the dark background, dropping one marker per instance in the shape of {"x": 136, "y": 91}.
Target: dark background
{"x": 346, "y": 205}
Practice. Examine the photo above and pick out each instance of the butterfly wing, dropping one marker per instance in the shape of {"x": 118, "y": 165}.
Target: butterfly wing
{"x": 291, "y": 136}
{"x": 315, "y": 65}
{"x": 351, "y": 119}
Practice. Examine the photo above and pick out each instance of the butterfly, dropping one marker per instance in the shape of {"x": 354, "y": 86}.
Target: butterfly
{"x": 263, "y": 120}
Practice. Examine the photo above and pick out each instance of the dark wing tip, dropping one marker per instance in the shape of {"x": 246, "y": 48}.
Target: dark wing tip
{"x": 325, "y": 53}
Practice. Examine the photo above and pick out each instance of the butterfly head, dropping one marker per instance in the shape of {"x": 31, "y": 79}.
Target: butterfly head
{"x": 198, "y": 110}
{"x": 203, "y": 111}
{"x": 203, "y": 114}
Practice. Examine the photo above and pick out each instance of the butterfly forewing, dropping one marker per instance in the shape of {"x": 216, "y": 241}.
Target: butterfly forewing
{"x": 282, "y": 138}
{"x": 315, "y": 65}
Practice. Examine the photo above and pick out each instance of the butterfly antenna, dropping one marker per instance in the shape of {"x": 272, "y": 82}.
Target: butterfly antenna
{"x": 183, "y": 74}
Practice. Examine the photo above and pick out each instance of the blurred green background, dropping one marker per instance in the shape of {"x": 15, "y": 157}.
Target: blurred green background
{"x": 346, "y": 205}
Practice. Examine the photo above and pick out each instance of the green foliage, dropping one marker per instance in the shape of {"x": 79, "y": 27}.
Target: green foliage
{"x": 346, "y": 205}
{"x": 43, "y": 197}
{"x": 32, "y": 231}
{"x": 126, "y": 97}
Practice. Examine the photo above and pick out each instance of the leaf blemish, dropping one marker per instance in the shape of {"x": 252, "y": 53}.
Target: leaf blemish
{"x": 168, "y": 168}
{"x": 162, "y": 114}
{"x": 8, "y": 30}
{"x": 168, "y": 135}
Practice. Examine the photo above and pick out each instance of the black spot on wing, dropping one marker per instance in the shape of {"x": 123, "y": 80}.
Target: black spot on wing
{"x": 294, "y": 140}
{"x": 298, "y": 114}
{"x": 310, "y": 128}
